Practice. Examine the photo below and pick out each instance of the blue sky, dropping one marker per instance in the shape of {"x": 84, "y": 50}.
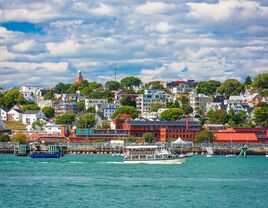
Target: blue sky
{"x": 47, "y": 41}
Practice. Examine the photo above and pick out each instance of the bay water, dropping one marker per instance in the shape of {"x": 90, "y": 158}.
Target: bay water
{"x": 103, "y": 181}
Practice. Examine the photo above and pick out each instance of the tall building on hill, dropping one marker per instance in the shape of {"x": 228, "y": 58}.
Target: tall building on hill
{"x": 79, "y": 77}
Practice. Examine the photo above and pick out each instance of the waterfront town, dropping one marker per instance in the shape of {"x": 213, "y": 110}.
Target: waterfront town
{"x": 128, "y": 110}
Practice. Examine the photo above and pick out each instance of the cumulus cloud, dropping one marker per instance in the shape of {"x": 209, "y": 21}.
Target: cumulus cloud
{"x": 150, "y": 8}
{"x": 150, "y": 39}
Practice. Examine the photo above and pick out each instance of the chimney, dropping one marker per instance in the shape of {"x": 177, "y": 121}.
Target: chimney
{"x": 187, "y": 123}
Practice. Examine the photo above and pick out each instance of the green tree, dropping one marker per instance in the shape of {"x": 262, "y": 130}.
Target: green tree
{"x": 106, "y": 125}
{"x": 235, "y": 119}
{"x": 208, "y": 87}
{"x": 4, "y": 138}
{"x": 171, "y": 114}
{"x": 261, "y": 114}
{"x": 81, "y": 106}
{"x": 148, "y": 137}
{"x": 49, "y": 95}
{"x": 205, "y": 136}
{"x": 86, "y": 121}
{"x": 112, "y": 85}
{"x": 230, "y": 87}
{"x": 131, "y": 139}
{"x": 216, "y": 117}
{"x": 261, "y": 81}
{"x": 128, "y": 101}
{"x": 262, "y": 104}
{"x": 67, "y": 119}
{"x": 10, "y": 98}
{"x": 130, "y": 110}
{"x": 49, "y": 112}
{"x": 38, "y": 125}
{"x": 29, "y": 107}
{"x": 130, "y": 81}
{"x": 61, "y": 88}
{"x": 157, "y": 105}
{"x": 248, "y": 81}
{"x": 91, "y": 109}
{"x": 20, "y": 138}
{"x": 155, "y": 85}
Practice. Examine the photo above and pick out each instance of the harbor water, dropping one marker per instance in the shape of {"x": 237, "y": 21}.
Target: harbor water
{"x": 103, "y": 181}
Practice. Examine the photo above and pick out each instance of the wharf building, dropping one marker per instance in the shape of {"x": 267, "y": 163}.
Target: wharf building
{"x": 91, "y": 135}
{"x": 164, "y": 131}
{"x": 241, "y": 136}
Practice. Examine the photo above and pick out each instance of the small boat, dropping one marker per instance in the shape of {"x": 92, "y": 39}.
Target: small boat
{"x": 230, "y": 155}
{"x": 209, "y": 151}
{"x": 43, "y": 151}
{"x": 151, "y": 155}
{"x": 266, "y": 155}
{"x": 45, "y": 155}
{"x": 189, "y": 154}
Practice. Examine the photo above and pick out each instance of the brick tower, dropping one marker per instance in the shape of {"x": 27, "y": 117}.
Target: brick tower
{"x": 79, "y": 77}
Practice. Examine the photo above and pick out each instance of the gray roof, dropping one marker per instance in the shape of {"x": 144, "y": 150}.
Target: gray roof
{"x": 181, "y": 122}
{"x": 31, "y": 112}
{"x": 18, "y": 110}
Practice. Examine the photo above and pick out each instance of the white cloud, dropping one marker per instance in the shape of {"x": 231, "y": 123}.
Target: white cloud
{"x": 154, "y": 8}
{"x": 150, "y": 39}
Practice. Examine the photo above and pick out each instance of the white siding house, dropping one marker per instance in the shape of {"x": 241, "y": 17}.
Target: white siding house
{"x": 3, "y": 114}
{"x": 31, "y": 116}
{"x": 14, "y": 115}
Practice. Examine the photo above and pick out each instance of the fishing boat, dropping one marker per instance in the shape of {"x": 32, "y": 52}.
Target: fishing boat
{"x": 151, "y": 155}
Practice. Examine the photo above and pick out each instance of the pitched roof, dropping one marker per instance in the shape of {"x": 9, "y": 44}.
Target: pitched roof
{"x": 31, "y": 112}
{"x": 223, "y": 136}
{"x": 17, "y": 110}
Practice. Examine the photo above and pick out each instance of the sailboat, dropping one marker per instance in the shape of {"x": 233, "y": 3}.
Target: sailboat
{"x": 230, "y": 155}
{"x": 209, "y": 151}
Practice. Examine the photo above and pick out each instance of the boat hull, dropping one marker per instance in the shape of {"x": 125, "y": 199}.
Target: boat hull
{"x": 45, "y": 156}
{"x": 156, "y": 162}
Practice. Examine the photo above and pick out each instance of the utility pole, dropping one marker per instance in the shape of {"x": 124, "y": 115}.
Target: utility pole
{"x": 115, "y": 69}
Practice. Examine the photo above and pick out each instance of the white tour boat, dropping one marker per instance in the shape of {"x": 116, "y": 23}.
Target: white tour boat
{"x": 151, "y": 155}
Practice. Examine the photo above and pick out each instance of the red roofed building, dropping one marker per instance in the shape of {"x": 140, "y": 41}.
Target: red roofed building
{"x": 242, "y": 136}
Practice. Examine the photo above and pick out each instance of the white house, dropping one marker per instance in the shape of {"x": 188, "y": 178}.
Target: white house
{"x": 145, "y": 100}
{"x": 14, "y": 115}
{"x": 240, "y": 107}
{"x": 94, "y": 102}
{"x": 53, "y": 129}
{"x": 31, "y": 93}
{"x": 30, "y": 116}
{"x": 109, "y": 109}
{"x": 3, "y": 114}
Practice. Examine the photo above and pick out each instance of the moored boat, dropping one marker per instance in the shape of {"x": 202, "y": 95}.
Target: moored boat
{"x": 151, "y": 155}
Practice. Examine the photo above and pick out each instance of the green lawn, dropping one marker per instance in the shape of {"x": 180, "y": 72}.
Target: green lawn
{"x": 15, "y": 125}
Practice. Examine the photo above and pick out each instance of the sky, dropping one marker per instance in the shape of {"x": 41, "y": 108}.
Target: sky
{"x": 43, "y": 42}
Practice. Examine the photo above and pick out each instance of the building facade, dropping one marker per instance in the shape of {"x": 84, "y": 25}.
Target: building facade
{"x": 164, "y": 131}
{"x": 94, "y": 102}
{"x": 65, "y": 108}
{"x": 145, "y": 100}
{"x": 199, "y": 101}
{"x": 30, "y": 116}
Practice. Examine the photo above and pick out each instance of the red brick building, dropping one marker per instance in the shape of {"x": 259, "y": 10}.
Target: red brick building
{"x": 164, "y": 131}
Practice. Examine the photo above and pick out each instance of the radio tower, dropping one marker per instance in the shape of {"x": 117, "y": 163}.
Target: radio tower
{"x": 115, "y": 69}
